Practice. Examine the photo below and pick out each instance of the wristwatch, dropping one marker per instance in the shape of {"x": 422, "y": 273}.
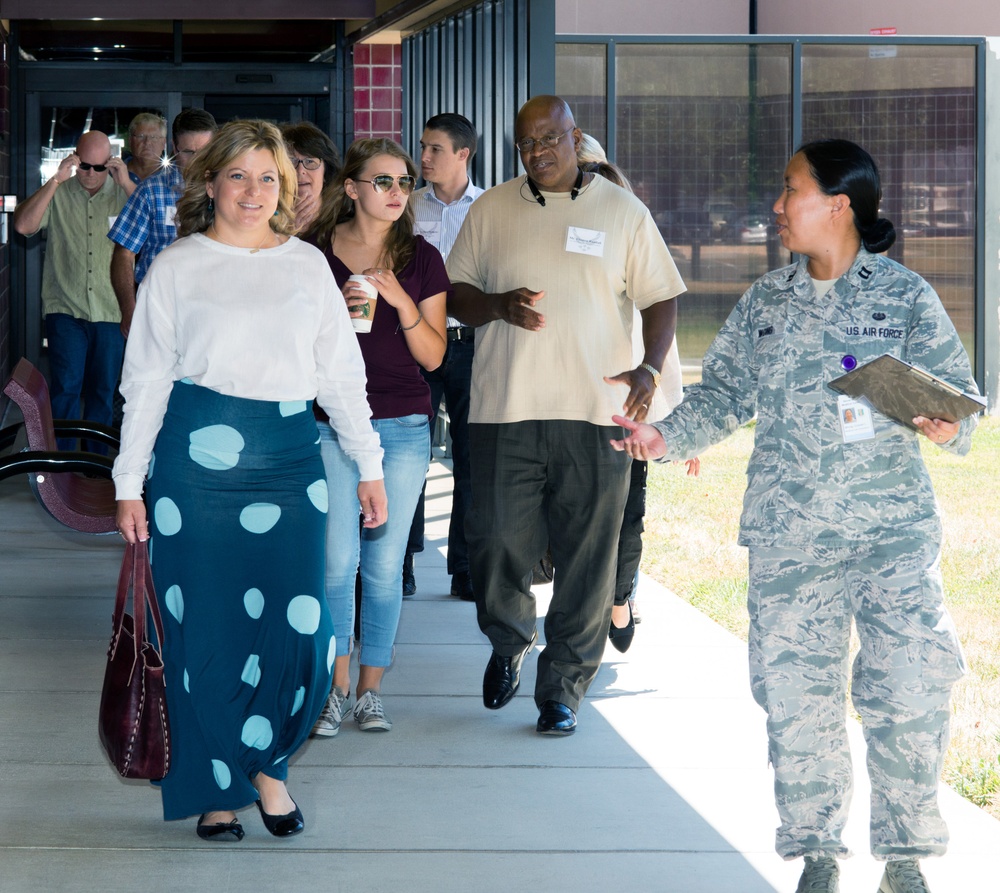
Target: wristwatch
{"x": 652, "y": 370}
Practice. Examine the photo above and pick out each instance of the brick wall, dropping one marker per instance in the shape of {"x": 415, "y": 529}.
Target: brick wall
{"x": 378, "y": 90}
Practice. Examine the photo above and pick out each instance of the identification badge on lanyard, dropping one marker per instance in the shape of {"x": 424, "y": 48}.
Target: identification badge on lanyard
{"x": 855, "y": 416}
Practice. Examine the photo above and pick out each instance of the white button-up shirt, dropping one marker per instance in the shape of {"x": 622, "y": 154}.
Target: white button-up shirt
{"x": 439, "y": 223}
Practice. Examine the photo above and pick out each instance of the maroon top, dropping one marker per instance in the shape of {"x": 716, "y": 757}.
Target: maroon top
{"x": 395, "y": 386}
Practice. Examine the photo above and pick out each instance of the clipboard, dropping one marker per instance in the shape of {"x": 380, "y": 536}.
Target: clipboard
{"x": 902, "y": 391}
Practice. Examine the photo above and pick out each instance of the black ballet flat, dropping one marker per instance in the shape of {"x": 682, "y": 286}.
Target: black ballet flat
{"x": 283, "y": 825}
{"x": 621, "y": 636}
{"x": 221, "y": 832}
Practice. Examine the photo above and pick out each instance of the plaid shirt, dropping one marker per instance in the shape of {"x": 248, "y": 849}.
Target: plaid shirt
{"x": 146, "y": 225}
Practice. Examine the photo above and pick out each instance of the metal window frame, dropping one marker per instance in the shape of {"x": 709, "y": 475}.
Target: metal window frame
{"x": 483, "y": 62}
{"x": 797, "y": 45}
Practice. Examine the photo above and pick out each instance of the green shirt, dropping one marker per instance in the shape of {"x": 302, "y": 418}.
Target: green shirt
{"x": 77, "y": 275}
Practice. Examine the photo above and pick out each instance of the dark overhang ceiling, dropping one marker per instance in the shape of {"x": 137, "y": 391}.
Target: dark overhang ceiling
{"x": 195, "y": 31}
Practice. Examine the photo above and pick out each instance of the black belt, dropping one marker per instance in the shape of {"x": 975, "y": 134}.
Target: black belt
{"x": 461, "y": 333}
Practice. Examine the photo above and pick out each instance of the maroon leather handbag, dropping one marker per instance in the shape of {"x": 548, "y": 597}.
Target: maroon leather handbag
{"x": 133, "y": 725}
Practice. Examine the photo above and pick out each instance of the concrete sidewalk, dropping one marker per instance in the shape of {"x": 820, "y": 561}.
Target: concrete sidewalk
{"x": 664, "y": 787}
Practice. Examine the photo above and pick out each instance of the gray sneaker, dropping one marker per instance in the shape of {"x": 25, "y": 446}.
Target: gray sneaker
{"x": 903, "y": 877}
{"x": 369, "y": 713}
{"x": 820, "y": 875}
{"x": 330, "y": 719}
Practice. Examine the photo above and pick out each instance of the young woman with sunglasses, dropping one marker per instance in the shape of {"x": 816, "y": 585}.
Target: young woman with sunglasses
{"x": 366, "y": 227}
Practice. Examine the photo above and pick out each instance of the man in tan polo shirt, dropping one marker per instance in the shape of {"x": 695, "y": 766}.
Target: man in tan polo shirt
{"x": 549, "y": 267}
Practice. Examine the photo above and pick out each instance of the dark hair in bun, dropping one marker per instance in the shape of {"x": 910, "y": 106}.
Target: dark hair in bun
{"x": 841, "y": 167}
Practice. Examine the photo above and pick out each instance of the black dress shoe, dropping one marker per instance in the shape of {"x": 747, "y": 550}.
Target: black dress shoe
{"x": 220, "y": 831}
{"x": 503, "y": 675}
{"x": 283, "y": 825}
{"x": 555, "y": 719}
{"x": 621, "y": 636}
{"x": 461, "y": 586}
{"x": 409, "y": 581}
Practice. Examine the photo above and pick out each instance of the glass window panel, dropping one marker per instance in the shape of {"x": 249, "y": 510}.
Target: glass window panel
{"x": 704, "y": 133}
{"x": 914, "y": 109}
{"x": 581, "y": 79}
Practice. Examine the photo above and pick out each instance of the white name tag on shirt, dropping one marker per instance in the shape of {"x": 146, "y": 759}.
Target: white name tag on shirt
{"x": 855, "y": 419}
{"x": 170, "y": 216}
{"x": 430, "y": 230}
{"x": 585, "y": 241}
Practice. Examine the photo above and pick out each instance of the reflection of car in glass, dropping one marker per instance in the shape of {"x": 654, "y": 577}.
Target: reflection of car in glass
{"x": 752, "y": 230}
{"x": 721, "y": 215}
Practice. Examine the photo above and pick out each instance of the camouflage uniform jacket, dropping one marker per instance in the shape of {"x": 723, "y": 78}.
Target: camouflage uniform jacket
{"x": 774, "y": 357}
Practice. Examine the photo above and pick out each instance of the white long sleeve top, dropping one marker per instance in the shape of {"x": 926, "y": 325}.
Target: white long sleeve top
{"x": 265, "y": 326}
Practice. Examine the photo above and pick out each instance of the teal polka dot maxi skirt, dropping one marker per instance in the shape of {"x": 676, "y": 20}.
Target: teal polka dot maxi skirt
{"x": 237, "y": 500}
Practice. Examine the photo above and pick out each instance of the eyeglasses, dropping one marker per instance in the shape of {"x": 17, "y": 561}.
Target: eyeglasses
{"x": 145, "y": 137}
{"x": 310, "y": 164}
{"x": 100, "y": 168}
{"x": 383, "y": 183}
{"x": 546, "y": 142}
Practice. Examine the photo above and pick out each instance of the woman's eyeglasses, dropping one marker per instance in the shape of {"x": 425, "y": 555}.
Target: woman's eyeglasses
{"x": 310, "y": 164}
{"x": 100, "y": 168}
{"x": 383, "y": 183}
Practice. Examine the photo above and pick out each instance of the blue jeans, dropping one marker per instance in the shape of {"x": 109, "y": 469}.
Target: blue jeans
{"x": 453, "y": 380}
{"x": 85, "y": 359}
{"x": 406, "y": 442}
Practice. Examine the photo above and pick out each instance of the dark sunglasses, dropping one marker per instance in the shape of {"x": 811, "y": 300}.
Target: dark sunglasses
{"x": 383, "y": 183}
{"x": 100, "y": 168}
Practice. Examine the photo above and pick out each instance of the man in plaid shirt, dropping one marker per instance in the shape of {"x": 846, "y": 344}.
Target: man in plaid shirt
{"x": 146, "y": 224}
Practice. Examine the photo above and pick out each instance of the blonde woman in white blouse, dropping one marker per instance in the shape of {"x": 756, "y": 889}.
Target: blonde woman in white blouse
{"x": 238, "y": 327}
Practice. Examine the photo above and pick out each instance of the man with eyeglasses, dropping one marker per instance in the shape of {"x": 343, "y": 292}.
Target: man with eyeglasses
{"x": 147, "y": 140}
{"x": 146, "y": 225}
{"x": 447, "y": 147}
{"x": 549, "y": 267}
{"x": 81, "y": 313}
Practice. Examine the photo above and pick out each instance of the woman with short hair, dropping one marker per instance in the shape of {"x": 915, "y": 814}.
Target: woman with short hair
{"x": 316, "y": 161}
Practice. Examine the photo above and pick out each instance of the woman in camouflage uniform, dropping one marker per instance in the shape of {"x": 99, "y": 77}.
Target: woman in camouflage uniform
{"x": 839, "y": 517}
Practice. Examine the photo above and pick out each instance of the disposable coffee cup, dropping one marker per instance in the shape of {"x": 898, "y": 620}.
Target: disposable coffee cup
{"x": 363, "y": 323}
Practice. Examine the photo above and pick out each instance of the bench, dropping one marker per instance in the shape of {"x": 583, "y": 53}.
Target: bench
{"x": 74, "y": 487}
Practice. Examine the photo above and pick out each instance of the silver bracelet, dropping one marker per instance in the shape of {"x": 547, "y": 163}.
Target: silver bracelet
{"x": 402, "y": 328}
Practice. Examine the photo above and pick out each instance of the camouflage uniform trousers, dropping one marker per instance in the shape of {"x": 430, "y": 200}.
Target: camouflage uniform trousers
{"x": 801, "y": 602}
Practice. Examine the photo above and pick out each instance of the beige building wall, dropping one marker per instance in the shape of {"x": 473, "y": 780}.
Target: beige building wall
{"x": 652, "y": 17}
{"x": 964, "y": 18}
{"x": 969, "y": 18}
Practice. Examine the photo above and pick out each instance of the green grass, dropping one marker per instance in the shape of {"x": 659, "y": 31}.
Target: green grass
{"x": 690, "y": 547}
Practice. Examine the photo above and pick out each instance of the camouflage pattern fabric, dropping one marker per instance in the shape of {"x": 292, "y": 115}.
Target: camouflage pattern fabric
{"x": 773, "y": 358}
{"x": 838, "y": 529}
{"x": 801, "y": 602}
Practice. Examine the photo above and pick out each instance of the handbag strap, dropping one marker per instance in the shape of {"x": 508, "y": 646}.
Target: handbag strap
{"x": 137, "y": 576}
{"x": 143, "y": 594}
{"x": 121, "y": 595}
